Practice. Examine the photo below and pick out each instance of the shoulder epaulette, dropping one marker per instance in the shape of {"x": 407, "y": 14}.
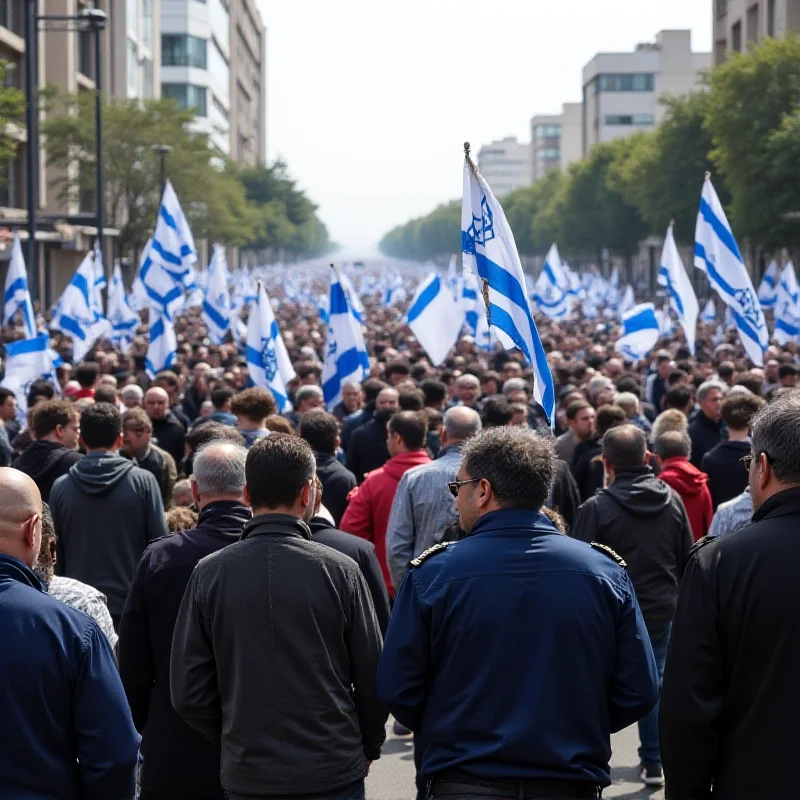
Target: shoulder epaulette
{"x": 437, "y": 548}
{"x": 701, "y": 543}
{"x": 604, "y": 548}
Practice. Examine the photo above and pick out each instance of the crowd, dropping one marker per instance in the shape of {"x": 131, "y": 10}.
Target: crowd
{"x": 202, "y": 597}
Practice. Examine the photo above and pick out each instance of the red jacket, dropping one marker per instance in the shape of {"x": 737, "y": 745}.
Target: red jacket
{"x": 367, "y": 513}
{"x": 692, "y": 486}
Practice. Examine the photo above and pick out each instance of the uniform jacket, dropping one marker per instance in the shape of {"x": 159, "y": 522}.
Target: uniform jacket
{"x": 170, "y": 435}
{"x": 516, "y": 652}
{"x": 731, "y": 693}
{"x": 337, "y": 483}
{"x": 692, "y": 486}
{"x": 727, "y": 476}
{"x": 704, "y": 434}
{"x": 275, "y": 651}
{"x": 65, "y": 730}
{"x": 45, "y": 462}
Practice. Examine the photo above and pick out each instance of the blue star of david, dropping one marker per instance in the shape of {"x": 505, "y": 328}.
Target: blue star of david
{"x": 480, "y": 231}
{"x": 268, "y": 358}
{"x": 749, "y": 305}
{"x": 331, "y": 344}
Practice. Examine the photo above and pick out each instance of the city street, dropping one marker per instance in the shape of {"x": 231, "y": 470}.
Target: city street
{"x": 392, "y": 778}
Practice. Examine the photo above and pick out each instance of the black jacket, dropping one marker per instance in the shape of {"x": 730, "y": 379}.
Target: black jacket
{"x": 161, "y": 465}
{"x": 179, "y": 762}
{"x": 585, "y": 469}
{"x": 368, "y": 449}
{"x": 193, "y": 402}
{"x": 170, "y": 435}
{"x": 363, "y": 553}
{"x": 337, "y": 482}
{"x": 731, "y": 692}
{"x": 705, "y": 435}
{"x": 564, "y": 497}
{"x": 644, "y": 521}
{"x": 355, "y": 421}
{"x": 46, "y": 462}
{"x": 727, "y": 477}
{"x": 275, "y": 652}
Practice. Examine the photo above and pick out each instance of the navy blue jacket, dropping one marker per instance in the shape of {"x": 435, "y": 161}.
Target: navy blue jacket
{"x": 516, "y": 652}
{"x": 66, "y": 731}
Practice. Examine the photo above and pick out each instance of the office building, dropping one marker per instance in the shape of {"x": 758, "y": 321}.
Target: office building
{"x": 738, "y": 23}
{"x": 556, "y": 140}
{"x": 506, "y": 165}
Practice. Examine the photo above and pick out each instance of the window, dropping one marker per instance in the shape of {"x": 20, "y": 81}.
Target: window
{"x": 752, "y": 24}
{"x": 720, "y": 51}
{"x": 629, "y": 119}
{"x": 187, "y": 95}
{"x": 548, "y": 153}
{"x": 625, "y": 82}
{"x": 736, "y": 37}
{"x": 12, "y": 16}
{"x": 183, "y": 50}
{"x": 547, "y": 131}
{"x": 770, "y": 17}
{"x": 218, "y": 67}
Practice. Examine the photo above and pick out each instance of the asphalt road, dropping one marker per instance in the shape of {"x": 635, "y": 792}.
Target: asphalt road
{"x": 392, "y": 777}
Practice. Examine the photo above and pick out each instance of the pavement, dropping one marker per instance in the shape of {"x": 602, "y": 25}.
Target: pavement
{"x": 392, "y": 776}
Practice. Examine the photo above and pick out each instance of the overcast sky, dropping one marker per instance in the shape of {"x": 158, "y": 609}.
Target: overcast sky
{"x": 369, "y": 101}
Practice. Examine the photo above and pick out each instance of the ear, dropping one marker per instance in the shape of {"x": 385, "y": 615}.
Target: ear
{"x": 29, "y": 532}
{"x": 486, "y": 493}
{"x": 305, "y": 495}
{"x": 195, "y": 492}
{"x": 764, "y": 470}
{"x": 247, "y": 496}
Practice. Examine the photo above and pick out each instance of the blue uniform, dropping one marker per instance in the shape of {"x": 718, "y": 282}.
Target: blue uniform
{"x": 515, "y": 653}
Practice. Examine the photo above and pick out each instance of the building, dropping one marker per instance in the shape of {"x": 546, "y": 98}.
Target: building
{"x": 738, "y": 23}
{"x": 621, "y": 91}
{"x": 506, "y": 165}
{"x": 556, "y": 140}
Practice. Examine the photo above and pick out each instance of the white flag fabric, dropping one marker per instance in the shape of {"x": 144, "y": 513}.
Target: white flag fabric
{"x": 787, "y": 311}
{"x": 640, "y": 332}
{"x": 470, "y": 302}
{"x": 682, "y": 298}
{"x": 161, "y": 289}
{"x": 17, "y": 294}
{"x": 768, "y": 290}
{"x": 217, "y": 302}
{"x": 356, "y": 306}
{"x": 709, "y": 315}
{"x": 124, "y": 320}
{"x": 173, "y": 244}
{"x": 717, "y": 254}
{"x": 552, "y": 287}
{"x": 435, "y": 318}
{"x": 163, "y": 343}
{"x": 28, "y": 360}
{"x": 628, "y": 300}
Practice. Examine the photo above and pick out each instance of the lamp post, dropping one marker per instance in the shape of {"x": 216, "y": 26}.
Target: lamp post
{"x": 163, "y": 151}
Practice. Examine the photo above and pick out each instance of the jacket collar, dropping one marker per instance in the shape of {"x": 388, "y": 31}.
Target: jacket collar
{"x": 708, "y": 423}
{"x": 780, "y": 504}
{"x": 222, "y": 513}
{"x": 505, "y": 519}
{"x": 323, "y": 458}
{"x": 14, "y": 569}
{"x": 320, "y": 523}
{"x": 450, "y": 449}
{"x": 280, "y": 524}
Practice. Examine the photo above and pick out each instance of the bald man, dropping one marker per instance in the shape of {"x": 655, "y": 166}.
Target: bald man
{"x": 168, "y": 431}
{"x": 65, "y": 728}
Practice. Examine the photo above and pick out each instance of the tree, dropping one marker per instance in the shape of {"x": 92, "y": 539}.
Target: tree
{"x": 433, "y": 236}
{"x": 12, "y": 110}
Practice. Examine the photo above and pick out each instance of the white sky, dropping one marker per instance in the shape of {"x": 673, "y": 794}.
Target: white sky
{"x": 370, "y": 101}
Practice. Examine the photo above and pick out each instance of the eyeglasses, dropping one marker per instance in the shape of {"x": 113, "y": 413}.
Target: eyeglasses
{"x": 454, "y": 486}
{"x": 748, "y": 459}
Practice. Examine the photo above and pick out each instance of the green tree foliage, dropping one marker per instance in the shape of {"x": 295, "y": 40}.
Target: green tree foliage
{"x": 12, "y": 111}
{"x": 436, "y": 235}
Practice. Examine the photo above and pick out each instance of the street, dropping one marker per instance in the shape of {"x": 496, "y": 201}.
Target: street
{"x": 392, "y": 777}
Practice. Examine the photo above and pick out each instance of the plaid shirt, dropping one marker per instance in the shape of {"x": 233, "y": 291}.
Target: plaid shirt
{"x": 87, "y": 599}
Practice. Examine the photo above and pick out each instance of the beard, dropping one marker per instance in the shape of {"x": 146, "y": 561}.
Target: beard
{"x": 44, "y": 572}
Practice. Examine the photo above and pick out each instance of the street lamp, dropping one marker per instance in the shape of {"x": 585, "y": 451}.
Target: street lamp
{"x": 163, "y": 151}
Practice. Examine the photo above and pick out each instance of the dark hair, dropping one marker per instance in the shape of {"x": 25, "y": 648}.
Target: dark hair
{"x": 575, "y": 407}
{"x": 372, "y": 387}
{"x": 725, "y": 370}
{"x": 49, "y": 414}
{"x": 674, "y": 444}
{"x": 48, "y": 526}
{"x": 86, "y": 374}
{"x": 101, "y": 425}
{"x": 496, "y": 411}
{"x": 221, "y": 395}
{"x": 678, "y": 396}
{"x": 279, "y": 424}
{"x": 491, "y": 375}
{"x": 785, "y": 370}
{"x": 277, "y": 468}
{"x": 625, "y": 447}
{"x": 627, "y": 383}
{"x": 411, "y": 427}
{"x": 435, "y": 392}
{"x": 411, "y": 400}
{"x": 304, "y": 370}
{"x": 775, "y": 430}
{"x": 320, "y": 430}
{"x": 105, "y": 394}
{"x": 212, "y": 432}
{"x": 396, "y": 368}
{"x": 518, "y": 463}
{"x": 254, "y": 404}
{"x": 166, "y": 378}
{"x": 5, "y": 394}
{"x": 676, "y": 375}
{"x": 40, "y": 388}
{"x": 752, "y": 382}
{"x": 608, "y": 417}
{"x": 738, "y": 409}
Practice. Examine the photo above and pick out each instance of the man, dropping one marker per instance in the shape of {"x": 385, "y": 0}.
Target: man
{"x": 307, "y": 398}
{"x": 56, "y": 430}
{"x": 656, "y": 384}
{"x": 178, "y": 762}
{"x": 276, "y": 646}
{"x": 251, "y": 408}
{"x": 169, "y": 432}
{"x": 172, "y": 384}
{"x": 630, "y": 404}
{"x": 787, "y": 376}
{"x": 105, "y": 511}
{"x": 321, "y": 431}
{"x": 730, "y": 684}
{"x": 66, "y": 729}
{"x": 707, "y": 430}
{"x": 771, "y": 377}
{"x": 672, "y": 454}
{"x": 371, "y": 389}
{"x": 468, "y": 391}
{"x": 86, "y": 374}
{"x": 580, "y": 421}
{"x": 132, "y": 396}
{"x": 681, "y": 398}
{"x": 8, "y": 416}
{"x": 352, "y": 398}
{"x": 498, "y": 711}
{"x": 587, "y": 463}
{"x": 221, "y": 398}
{"x": 723, "y": 463}
{"x": 198, "y": 392}
{"x": 204, "y": 434}
{"x": 642, "y": 519}
{"x": 137, "y": 445}
{"x": 422, "y": 508}
{"x": 368, "y": 450}
{"x": 370, "y": 505}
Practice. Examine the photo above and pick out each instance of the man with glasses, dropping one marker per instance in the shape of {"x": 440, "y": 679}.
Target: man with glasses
{"x": 514, "y": 653}
{"x": 731, "y": 693}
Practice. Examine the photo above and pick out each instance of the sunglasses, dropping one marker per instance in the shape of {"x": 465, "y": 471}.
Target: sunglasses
{"x": 454, "y": 486}
{"x": 748, "y": 459}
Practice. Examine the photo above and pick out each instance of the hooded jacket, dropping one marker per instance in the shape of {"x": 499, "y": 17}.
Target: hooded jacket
{"x": 45, "y": 462}
{"x": 105, "y": 512}
{"x": 643, "y": 520}
{"x": 692, "y": 486}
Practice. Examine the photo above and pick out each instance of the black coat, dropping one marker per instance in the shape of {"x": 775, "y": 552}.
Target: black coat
{"x": 337, "y": 482}
{"x": 564, "y": 497}
{"x": 180, "y": 763}
{"x": 170, "y": 435}
{"x": 368, "y": 449}
{"x": 585, "y": 469}
{"x": 731, "y": 693}
{"x": 354, "y": 421}
{"x": 46, "y": 462}
{"x": 727, "y": 477}
{"x": 705, "y": 435}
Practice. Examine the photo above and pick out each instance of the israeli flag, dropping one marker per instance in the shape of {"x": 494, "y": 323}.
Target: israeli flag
{"x": 395, "y": 292}
{"x": 709, "y": 315}
{"x": 787, "y": 310}
{"x": 28, "y": 360}
{"x": 551, "y": 290}
{"x": 17, "y": 295}
{"x": 163, "y": 345}
{"x": 356, "y": 306}
{"x": 768, "y": 290}
{"x": 471, "y": 303}
{"x": 717, "y": 254}
{"x": 173, "y": 244}
{"x": 217, "y": 303}
{"x": 452, "y": 276}
{"x": 322, "y": 309}
{"x": 100, "y": 281}
{"x": 435, "y": 318}
{"x": 682, "y": 298}
{"x": 666, "y": 325}
{"x": 346, "y": 357}
{"x": 268, "y": 362}
{"x": 640, "y": 332}
{"x": 161, "y": 289}
{"x": 628, "y": 300}
{"x": 124, "y": 320}
{"x": 489, "y": 249}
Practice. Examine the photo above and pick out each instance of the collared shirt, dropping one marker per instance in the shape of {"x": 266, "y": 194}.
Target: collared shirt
{"x": 87, "y": 599}
{"x": 733, "y": 515}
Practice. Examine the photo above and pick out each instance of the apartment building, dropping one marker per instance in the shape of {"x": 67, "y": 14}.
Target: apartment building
{"x": 506, "y": 165}
{"x": 556, "y": 139}
{"x": 739, "y": 23}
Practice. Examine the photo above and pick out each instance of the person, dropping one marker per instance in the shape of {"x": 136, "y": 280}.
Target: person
{"x": 422, "y": 508}
{"x": 672, "y": 454}
{"x": 291, "y": 680}
{"x": 496, "y": 709}
{"x": 587, "y": 465}
{"x": 630, "y": 404}
{"x": 656, "y": 384}
{"x": 787, "y": 376}
{"x": 221, "y": 398}
{"x": 352, "y": 399}
{"x": 8, "y": 414}
{"x": 732, "y": 515}
{"x": 371, "y": 388}
{"x": 680, "y": 398}
{"x": 169, "y": 432}
{"x": 181, "y": 518}
{"x": 179, "y": 763}
{"x": 198, "y": 392}
{"x": 368, "y": 450}
{"x": 307, "y": 398}
{"x": 321, "y": 431}
{"x": 580, "y": 421}
{"x": 56, "y": 428}
{"x": 137, "y": 445}
{"x": 706, "y": 429}
{"x": 723, "y": 463}
{"x": 468, "y": 391}
{"x": 251, "y": 407}
{"x": 66, "y": 728}
{"x": 132, "y": 396}
{"x": 105, "y": 511}
{"x": 730, "y": 683}
{"x": 182, "y": 493}
{"x": 171, "y": 383}
{"x": 204, "y": 434}
{"x": 86, "y": 374}
{"x": 370, "y": 505}
{"x": 642, "y": 519}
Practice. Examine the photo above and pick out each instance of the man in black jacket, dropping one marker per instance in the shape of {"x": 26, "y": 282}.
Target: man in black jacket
{"x": 707, "y": 429}
{"x": 371, "y": 388}
{"x": 730, "y": 685}
{"x": 276, "y": 646}
{"x": 56, "y": 429}
{"x": 169, "y": 432}
{"x": 368, "y": 449}
{"x": 642, "y": 519}
{"x": 179, "y": 763}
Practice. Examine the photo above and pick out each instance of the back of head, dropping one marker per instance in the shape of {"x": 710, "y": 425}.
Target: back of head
{"x": 678, "y": 397}
{"x": 628, "y": 402}
{"x": 136, "y": 419}
{"x": 461, "y": 423}
{"x": 105, "y": 394}
{"x": 211, "y": 432}
{"x": 320, "y": 430}
{"x": 625, "y": 447}
{"x": 739, "y": 408}
{"x": 411, "y": 427}
{"x": 608, "y": 417}
{"x": 219, "y": 470}
{"x": 372, "y": 388}
{"x": 673, "y": 444}
{"x": 775, "y": 431}
{"x": 101, "y": 425}
{"x": 278, "y": 468}
{"x": 255, "y": 404}
{"x": 670, "y": 420}
{"x": 40, "y": 390}
{"x": 496, "y": 412}
{"x": 86, "y": 374}
{"x": 47, "y": 415}
{"x": 20, "y": 522}
{"x": 220, "y": 396}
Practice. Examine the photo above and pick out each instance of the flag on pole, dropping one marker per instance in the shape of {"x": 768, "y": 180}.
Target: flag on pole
{"x": 17, "y": 295}
{"x": 124, "y": 320}
{"x": 161, "y": 289}
{"x": 163, "y": 343}
{"x": 356, "y": 306}
{"x": 551, "y": 290}
{"x": 435, "y": 318}
{"x": 470, "y": 300}
{"x": 682, "y": 298}
{"x": 768, "y": 290}
{"x": 489, "y": 248}
{"x": 28, "y": 360}
{"x": 709, "y": 315}
{"x": 173, "y": 244}
{"x": 217, "y": 302}
{"x": 717, "y": 254}
{"x": 628, "y": 300}
{"x": 640, "y": 332}
{"x": 787, "y": 311}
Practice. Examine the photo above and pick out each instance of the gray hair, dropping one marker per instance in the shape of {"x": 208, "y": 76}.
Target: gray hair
{"x": 514, "y": 385}
{"x": 674, "y": 444}
{"x": 218, "y": 468}
{"x": 708, "y": 386}
{"x": 597, "y": 383}
{"x": 351, "y": 383}
{"x": 628, "y": 402}
{"x": 516, "y": 461}
{"x": 775, "y": 430}
{"x": 306, "y": 393}
{"x": 468, "y": 379}
{"x": 131, "y": 390}
{"x": 461, "y": 423}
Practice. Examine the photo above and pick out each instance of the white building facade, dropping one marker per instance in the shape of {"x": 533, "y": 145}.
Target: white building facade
{"x": 506, "y": 165}
{"x": 556, "y": 140}
{"x": 738, "y": 23}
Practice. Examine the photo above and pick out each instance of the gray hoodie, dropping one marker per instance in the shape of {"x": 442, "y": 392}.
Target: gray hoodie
{"x": 106, "y": 510}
